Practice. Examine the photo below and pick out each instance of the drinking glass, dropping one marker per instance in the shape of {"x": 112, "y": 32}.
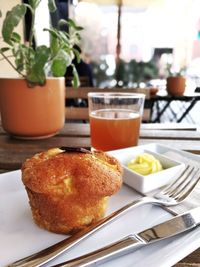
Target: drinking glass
{"x": 115, "y": 119}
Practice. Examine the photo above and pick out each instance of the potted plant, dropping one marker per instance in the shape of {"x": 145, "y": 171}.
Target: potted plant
{"x": 33, "y": 105}
{"x": 176, "y": 82}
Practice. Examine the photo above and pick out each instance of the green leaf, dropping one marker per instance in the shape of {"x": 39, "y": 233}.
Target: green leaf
{"x": 71, "y": 23}
{"x": 19, "y": 62}
{"x": 75, "y": 81}
{"x": 62, "y": 22}
{"x": 31, "y": 3}
{"x": 54, "y": 46}
{"x": 4, "y": 49}
{"x": 30, "y": 54}
{"x": 12, "y": 19}
{"x": 67, "y": 34}
{"x": 63, "y": 36}
{"x": 0, "y": 14}
{"x": 77, "y": 54}
{"x": 79, "y": 28}
{"x": 58, "y": 67}
{"x": 60, "y": 63}
{"x": 78, "y": 36}
{"x": 21, "y": 53}
{"x": 53, "y": 32}
{"x": 37, "y": 73}
{"x": 36, "y": 78}
{"x": 52, "y": 5}
{"x": 16, "y": 37}
{"x": 42, "y": 55}
{"x": 34, "y": 3}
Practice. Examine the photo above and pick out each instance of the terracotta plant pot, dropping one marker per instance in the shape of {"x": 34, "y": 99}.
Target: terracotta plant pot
{"x": 32, "y": 113}
{"x": 176, "y": 85}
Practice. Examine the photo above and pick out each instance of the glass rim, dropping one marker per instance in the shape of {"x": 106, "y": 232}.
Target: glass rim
{"x": 116, "y": 94}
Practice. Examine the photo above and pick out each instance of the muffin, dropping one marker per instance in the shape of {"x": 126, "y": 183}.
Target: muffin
{"x": 68, "y": 189}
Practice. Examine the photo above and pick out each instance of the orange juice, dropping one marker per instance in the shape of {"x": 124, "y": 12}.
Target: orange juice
{"x": 114, "y": 129}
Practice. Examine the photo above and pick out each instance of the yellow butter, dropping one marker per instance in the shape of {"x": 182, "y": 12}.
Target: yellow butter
{"x": 145, "y": 164}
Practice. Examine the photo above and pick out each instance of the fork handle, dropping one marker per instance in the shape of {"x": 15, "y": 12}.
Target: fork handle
{"x": 44, "y": 256}
{"x": 106, "y": 253}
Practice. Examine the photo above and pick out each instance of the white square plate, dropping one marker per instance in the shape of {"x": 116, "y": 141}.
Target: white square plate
{"x": 20, "y": 237}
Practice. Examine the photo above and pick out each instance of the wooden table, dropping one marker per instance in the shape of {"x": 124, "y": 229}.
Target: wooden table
{"x": 180, "y": 136}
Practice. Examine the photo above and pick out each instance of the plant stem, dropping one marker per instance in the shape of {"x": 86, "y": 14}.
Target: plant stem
{"x": 7, "y": 57}
{"x": 31, "y": 34}
{"x": 32, "y": 29}
{"x": 12, "y": 65}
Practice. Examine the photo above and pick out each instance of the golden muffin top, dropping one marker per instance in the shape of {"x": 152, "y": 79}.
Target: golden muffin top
{"x": 64, "y": 172}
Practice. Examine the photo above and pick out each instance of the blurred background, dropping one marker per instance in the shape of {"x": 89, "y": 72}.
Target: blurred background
{"x": 130, "y": 43}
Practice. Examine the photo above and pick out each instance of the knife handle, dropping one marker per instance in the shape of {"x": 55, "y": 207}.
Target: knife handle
{"x": 119, "y": 248}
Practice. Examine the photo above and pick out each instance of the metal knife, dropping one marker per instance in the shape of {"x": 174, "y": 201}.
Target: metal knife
{"x": 170, "y": 228}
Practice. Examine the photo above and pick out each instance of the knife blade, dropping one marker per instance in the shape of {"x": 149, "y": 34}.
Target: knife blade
{"x": 169, "y": 228}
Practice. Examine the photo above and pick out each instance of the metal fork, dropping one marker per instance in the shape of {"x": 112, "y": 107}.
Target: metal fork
{"x": 172, "y": 194}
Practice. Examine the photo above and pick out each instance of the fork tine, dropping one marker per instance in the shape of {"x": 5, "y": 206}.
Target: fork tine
{"x": 188, "y": 189}
{"x": 183, "y": 195}
{"x": 173, "y": 186}
{"x": 183, "y": 182}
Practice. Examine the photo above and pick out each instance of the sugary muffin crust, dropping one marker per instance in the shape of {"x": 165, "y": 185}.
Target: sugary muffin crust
{"x": 69, "y": 189}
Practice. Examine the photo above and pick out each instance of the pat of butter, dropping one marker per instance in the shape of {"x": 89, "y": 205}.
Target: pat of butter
{"x": 145, "y": 164}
